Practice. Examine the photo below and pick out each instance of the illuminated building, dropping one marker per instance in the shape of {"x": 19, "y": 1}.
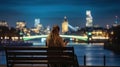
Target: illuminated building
{"x": 47, "y": 30}
{"x": 99, "y": 33}
{"x": 65, "y": 25}
{"x": 36, "y": 31}
{"x": 37, "y": 24}
{"x": 89, "y": 19}
{"x": 20, "y": 25}
{"x": 107, "y": 26}
{"x": 3, "y": 23}
{"x": 37, "y": 21}
{"x": 37, "y": 27}
{"x": 116, "y": 21}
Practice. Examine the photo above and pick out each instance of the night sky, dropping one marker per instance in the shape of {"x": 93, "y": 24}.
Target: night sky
{"x": 53, "y": 11}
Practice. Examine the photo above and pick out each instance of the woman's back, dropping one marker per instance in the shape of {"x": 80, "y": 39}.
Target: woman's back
{"x": 54, "y": 40}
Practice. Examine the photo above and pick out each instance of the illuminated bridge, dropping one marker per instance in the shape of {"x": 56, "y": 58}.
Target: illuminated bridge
{"x": 84, "y": 38}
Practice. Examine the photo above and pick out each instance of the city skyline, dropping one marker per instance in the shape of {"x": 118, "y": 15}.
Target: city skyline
{"x": 53, "y": 11}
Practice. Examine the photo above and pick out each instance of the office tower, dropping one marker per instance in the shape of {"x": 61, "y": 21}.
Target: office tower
{"x": 37, "y": 24}
{"x": 89, "y": 19}
{"x": 37, "y": 21}
{"x": 116, "y": 21}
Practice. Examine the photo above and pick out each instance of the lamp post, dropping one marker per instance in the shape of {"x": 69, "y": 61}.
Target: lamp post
{"x": 89, "y": 35}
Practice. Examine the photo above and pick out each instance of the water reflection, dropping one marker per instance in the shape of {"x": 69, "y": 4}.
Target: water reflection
{"x": 94, "y": 53}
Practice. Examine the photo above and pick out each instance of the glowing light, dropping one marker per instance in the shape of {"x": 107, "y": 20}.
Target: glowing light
{"x": 112, "y": 32}
{"x": 64, "y": 36}
{"x": 99, "y": 37}
{"x": 89, "y": 33}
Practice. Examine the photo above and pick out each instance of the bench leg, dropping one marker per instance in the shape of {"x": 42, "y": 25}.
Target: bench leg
{"x": 76, "y": 64}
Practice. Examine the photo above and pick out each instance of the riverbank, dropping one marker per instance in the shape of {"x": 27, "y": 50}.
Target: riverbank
{"x": 112, "y": 47}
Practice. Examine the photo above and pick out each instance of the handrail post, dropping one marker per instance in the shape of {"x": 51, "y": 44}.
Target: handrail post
{"x": 84, "y": 60}
{"x": 104, "y": 60}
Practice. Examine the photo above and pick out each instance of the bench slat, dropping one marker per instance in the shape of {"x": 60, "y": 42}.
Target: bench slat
{"x": 40, "y": 58}
{"x": 37, "y": 48}
{"x": 41, "y": 62}
{"x": 40, "y": 53}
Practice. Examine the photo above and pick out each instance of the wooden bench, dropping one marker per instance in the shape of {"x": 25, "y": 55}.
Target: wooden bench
{"x": 21, "y": 55}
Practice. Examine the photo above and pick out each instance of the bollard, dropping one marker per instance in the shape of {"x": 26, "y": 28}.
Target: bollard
{"x": 84, "y": 60}
{"x": 104, "y": 59}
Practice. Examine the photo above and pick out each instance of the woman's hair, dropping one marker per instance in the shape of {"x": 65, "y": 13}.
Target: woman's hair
{"x": 55, "y": 33}
{"x": 55, "y": 29}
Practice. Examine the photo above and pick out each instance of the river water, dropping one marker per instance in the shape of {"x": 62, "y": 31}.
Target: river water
{"x": 89, "y": 54}
{"x": 94, "y": 54}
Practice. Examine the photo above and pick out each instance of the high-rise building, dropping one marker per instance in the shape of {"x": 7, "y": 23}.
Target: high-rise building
{"x": 37, "y": 21}
{"x": 89, "y": 19}
{"x": 116, "y": 21}
{"x": 37, "y": 24}
{"x": 65, "y": 25}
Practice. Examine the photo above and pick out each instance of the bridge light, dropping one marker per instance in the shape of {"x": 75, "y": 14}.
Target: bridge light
{"x": 21, "y": 33}
{"x": 89, "y": 33}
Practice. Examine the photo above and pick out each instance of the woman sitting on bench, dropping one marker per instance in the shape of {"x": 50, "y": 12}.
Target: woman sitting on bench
{"x": 54, "y": 40}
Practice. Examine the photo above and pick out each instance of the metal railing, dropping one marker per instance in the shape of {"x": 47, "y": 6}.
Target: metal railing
{"x": 105, "y": 60}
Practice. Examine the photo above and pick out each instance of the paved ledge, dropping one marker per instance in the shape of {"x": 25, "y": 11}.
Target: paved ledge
{"x": 46, "y": 66}
{"x": 99, "y": 66}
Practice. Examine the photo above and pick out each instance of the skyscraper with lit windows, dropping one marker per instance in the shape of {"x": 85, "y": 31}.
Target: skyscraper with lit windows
{"x": 37, "y": 21}
{"x": 37, "y": 24}
{"x": 89, "y": 21}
